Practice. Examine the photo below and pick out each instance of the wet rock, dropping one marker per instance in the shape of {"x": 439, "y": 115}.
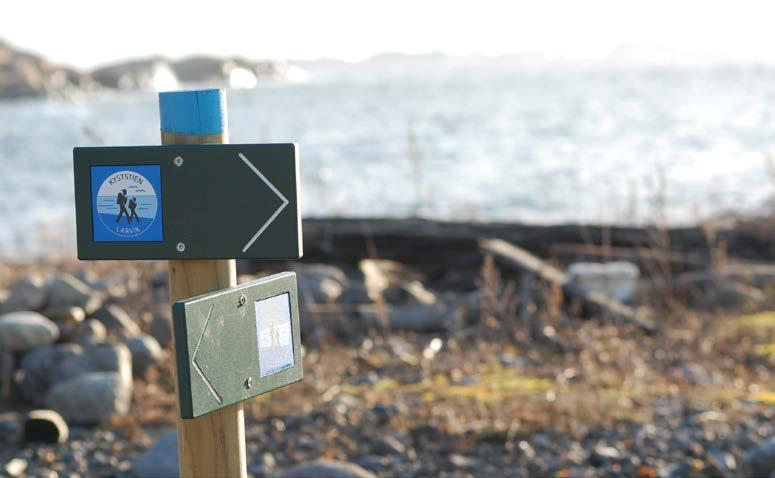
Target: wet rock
{"x": 65, "y": 314}
{"x": 67, "y": 290}
{"x": 26, "y": 293}
{"x": 145, "y": 352}
{"x": 326, "y": 469}
{"x": 23, "y": 331}
{"x": 387, "y": 445}
{"x": 160, "y": 328}
{"x": 91, "y": 398}
{"x": 46, "y": 426}
{"x": 320, "y": 283}
{"x": 117, "y": 320}
{"x": 760, "y": 461}
{"x": 87, "y": 333}
{"x": 161, "y": 458}
{"x": 37, "y": 366}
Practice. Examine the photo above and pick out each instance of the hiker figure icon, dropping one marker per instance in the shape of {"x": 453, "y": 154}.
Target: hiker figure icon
{"x": 121, "y": 201}
{"x": 274, "y": 335}
{"x": 132, "y": 207}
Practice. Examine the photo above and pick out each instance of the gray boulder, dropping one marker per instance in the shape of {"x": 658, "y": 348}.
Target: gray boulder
{"x": 98, "y": 358}
{"x": 67, "y": 314}
{"x": 326, "y": 469}
{"x": 88, "y": 332}
{"x": 27, "y": 293}
{"x": 67, "y": 290}
{"x": 760, "y": 461}
{"x": 117, "y": 320}
{"x": 91, "y": 398}
{"x": 23, "y": 331}
{"x": 37, "y": 366}
{"x": 145, "y": 352}
{"x": 161, "y": 458}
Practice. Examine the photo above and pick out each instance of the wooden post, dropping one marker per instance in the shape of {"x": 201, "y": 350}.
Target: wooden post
{"x": 214, "y": 444}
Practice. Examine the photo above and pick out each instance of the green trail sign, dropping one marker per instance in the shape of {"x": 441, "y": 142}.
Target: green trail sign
{"x": 204, "y": 201}
{"x": 237, "y": 343}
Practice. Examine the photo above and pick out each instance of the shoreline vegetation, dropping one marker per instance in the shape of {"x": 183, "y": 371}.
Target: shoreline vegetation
{"x": 430, "y": 349}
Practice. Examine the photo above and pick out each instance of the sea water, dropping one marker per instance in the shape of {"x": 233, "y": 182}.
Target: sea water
{"x": 489, "y": 141}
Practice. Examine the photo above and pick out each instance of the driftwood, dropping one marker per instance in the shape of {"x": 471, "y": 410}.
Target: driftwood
{"x": 511, "y": 255}
{"x": 436, "y": 247}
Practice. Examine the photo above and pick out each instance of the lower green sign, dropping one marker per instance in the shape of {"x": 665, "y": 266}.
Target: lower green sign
{"x": 234, "y": 344}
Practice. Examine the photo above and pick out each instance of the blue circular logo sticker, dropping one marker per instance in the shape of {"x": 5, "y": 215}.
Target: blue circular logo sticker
{"x": 126, "y": 203}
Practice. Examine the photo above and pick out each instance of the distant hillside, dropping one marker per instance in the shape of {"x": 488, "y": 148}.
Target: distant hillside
{"x": 23, "y": 75}
{"x": 26, "y": 75}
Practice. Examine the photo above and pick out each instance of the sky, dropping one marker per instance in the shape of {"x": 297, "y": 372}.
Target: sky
{"x": 87, "y": 33}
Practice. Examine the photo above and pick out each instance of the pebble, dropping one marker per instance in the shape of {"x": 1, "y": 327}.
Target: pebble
{"x": 145, "y": 353}
{"x": 374, "y": 463}
{"x": 16, "y": 467}
{"x": 326, "y": 469}
{"x": 382, "y": 414}
{"x": 25, "y": 330}
{"x": 388, "y": 445}
{"x": 603, "y": 454}
{"x": 45, "y": 426}
{"x": 462, "y": 461}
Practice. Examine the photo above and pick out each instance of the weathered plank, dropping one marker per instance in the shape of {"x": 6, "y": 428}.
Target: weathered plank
{"x": 514, "y": 256}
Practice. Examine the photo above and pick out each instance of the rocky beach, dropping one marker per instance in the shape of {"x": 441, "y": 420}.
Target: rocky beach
{"x": 429, "y": 349}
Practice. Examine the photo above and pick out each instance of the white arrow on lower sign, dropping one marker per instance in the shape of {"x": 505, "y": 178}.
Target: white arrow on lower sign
{"x": 276, "y": 213}
{"x": 195, "y": 364}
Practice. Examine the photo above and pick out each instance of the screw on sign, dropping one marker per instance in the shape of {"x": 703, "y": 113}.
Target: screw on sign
{"x": 185, "y": 200}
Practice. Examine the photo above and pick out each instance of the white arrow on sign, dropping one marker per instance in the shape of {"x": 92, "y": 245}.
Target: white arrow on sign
{"x": 276, "y": 213}
{"x": 198, "y": 369}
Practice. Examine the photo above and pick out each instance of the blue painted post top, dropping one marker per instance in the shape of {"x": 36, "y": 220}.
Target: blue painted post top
{"x": 193, "y": 113}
